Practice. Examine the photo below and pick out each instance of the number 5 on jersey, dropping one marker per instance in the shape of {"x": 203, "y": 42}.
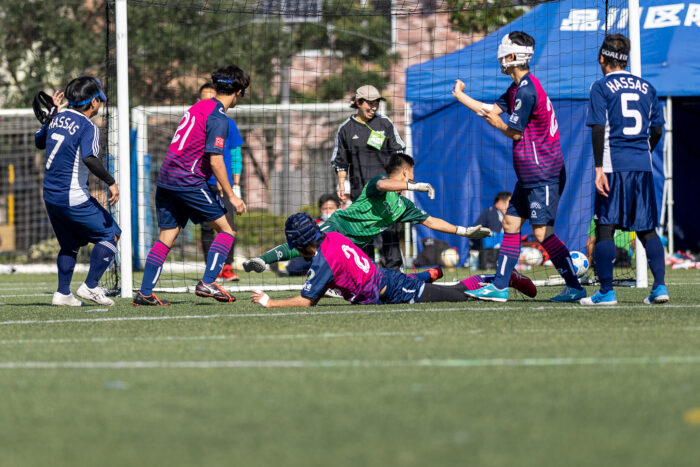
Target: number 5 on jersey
{"x": 627, "y": 112}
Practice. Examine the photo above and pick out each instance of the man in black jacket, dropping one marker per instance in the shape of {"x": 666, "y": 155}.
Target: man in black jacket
{"x": 363, "y": 147}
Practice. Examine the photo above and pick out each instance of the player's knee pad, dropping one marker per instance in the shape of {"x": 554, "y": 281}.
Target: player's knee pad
{"x": 604, "y": 232}
{"x": 647, "y": 235}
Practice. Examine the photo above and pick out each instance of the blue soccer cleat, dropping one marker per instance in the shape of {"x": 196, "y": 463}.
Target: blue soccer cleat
{"x": 658, "y": 295}
{"x": 569, "y": 294}
{"x": 608, "y": 298}
{"x": 489, "y": 293}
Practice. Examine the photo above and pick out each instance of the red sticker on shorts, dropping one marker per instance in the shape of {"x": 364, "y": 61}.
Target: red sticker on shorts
{"x": 219, "y": 142}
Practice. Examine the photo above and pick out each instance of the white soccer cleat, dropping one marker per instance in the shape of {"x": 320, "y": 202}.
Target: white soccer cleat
{"x": 65, "y": 300}
{"x": 96, "y": 294}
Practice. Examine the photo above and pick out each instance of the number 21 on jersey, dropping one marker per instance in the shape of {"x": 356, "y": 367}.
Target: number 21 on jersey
{"x": 180, "y": 137}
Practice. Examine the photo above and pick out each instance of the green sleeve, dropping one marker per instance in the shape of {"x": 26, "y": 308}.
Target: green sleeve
{"x": 591, "y": 229}
{"x": 412, "y": 213}
{"x": 371, "y": 187}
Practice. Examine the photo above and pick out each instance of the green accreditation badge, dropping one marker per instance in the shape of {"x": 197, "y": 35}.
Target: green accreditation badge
{"x": 375, "y": 140}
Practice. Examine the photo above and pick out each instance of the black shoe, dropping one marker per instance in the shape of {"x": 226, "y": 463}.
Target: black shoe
{"x": 214, "y": 291}
{"x": 150, "y": 300}
{"x": 254, "y": 264}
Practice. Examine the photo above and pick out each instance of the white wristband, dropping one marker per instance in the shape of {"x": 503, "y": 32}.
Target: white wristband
{"x": 461, "y": 231}
{"x": 265, "y": 299}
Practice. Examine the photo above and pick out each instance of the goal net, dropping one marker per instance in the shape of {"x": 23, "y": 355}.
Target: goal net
{"x": 27, "y": 240}
{"x": 306, "y": 58}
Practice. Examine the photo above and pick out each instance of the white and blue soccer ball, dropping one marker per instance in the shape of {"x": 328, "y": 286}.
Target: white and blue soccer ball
{"x": 580, "y": 262}
{"x": 449, "y": 257}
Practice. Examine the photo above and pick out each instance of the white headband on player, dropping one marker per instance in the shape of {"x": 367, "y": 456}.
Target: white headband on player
{"x": 523, "y": 53}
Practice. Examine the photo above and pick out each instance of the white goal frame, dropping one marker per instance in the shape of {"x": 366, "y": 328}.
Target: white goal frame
{"x": 123, "y": 154}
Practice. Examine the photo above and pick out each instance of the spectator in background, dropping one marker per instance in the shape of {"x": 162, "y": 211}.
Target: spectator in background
{"x": 364, "y": 145}
{"x": 327, "y": 204}
{"x": 232, "y": 160}
{"x": 492, "y": 217}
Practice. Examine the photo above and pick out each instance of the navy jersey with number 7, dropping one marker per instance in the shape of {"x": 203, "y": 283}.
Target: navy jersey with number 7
{"x": 628, "y": 107}
{"x": 69, "y": 138}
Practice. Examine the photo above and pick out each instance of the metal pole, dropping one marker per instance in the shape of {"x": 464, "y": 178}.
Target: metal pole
{"x": 123, "y": 149}
{"x": 636, "y": 69}
{"x": 411, "y": 237}
{"x": 669, "y": 173}
{"x": 285, "y": 84}
{"x": 394, "y": 26}
{"x": 139, "y": 119}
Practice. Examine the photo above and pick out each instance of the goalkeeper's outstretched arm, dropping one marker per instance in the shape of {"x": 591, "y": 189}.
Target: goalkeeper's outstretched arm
{"x": 474, "y": 232}
{"x": 411, "y": 185}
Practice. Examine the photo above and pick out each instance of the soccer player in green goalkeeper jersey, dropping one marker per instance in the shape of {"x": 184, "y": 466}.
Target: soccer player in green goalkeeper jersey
{"x": 378, "y": 207}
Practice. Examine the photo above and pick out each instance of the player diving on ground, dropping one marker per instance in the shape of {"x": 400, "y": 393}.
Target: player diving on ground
{"x": 338, "y": 264}
{"x": 378, "y": 207}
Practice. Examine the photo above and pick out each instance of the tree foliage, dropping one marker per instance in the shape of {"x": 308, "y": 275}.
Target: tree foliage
{"x": 44, "y": 43}
{"x": 484, "y": 16}
{"x": 174, "y": 46}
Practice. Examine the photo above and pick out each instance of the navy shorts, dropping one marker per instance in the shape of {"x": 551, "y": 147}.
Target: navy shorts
{"x": 175, "y": 208}
{"x": 631, "y": 202}
{"x": 538, "y": 204}
{"x": 76, "y": 226}
{"x": 399, "y": 287}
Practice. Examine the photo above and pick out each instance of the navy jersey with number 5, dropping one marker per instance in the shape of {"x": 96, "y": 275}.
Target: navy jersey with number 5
{"x": 627, "y": 106}
{"x": 69, "y": 138}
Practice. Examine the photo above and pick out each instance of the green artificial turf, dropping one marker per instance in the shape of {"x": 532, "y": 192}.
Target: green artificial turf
{"x": 200, "y": 383}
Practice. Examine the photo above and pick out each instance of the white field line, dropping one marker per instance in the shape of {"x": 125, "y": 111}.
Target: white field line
{"x": 44, "y": 294}
{"x": 336, "y": 335}
{"x": 421, "y": 363}
{"x": 16, "y": 286}
{"x": 356, "y": 311}
{"x": 226, "y": 337}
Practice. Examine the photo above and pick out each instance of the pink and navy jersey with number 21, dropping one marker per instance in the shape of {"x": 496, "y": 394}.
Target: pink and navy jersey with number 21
{"x": 340, "y": 265}
{"x": 203, "y": 130}
{"x": 537, "y": 157}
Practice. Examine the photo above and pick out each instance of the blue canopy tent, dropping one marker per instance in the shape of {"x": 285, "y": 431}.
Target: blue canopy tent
{"x": 468, "y": 162}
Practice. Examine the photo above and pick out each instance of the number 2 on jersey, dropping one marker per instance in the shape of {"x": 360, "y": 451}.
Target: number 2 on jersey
{"x": 59, "y": 140}
{"x": 183, "y": 124}
{"x": 362, "y": 263}
{"x": 553, "y": 125}
{"x": 627, "y": 112}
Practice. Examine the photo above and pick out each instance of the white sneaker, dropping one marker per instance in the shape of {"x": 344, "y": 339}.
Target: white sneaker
{"x": 65, "y": 300}
{"x": 96, "y": 294}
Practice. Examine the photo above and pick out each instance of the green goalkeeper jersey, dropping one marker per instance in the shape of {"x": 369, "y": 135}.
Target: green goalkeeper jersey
{"x": 373, "y": 212}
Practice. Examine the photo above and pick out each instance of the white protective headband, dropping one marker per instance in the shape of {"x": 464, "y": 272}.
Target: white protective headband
{"x": 523, "y": 53}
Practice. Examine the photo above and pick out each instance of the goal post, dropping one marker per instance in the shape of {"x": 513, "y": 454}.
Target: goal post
{"x": 123, "y": 151}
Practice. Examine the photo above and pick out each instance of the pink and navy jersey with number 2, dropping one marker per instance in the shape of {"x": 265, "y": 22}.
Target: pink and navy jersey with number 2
{"x": 340, "y": 265}
{"x": 203, "y": 130}
{"x": 537, "y": 157}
